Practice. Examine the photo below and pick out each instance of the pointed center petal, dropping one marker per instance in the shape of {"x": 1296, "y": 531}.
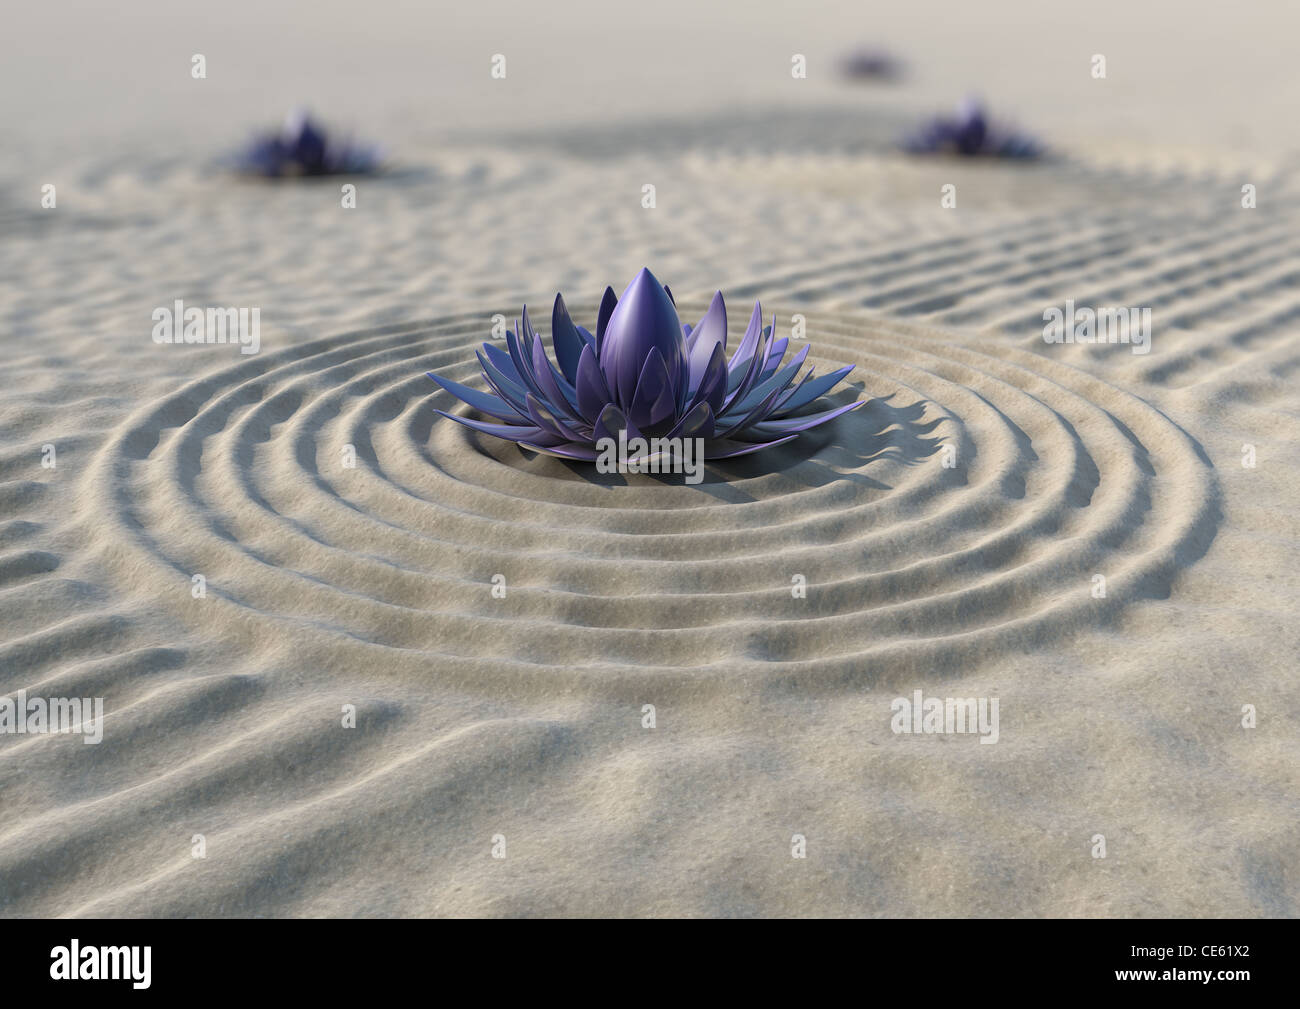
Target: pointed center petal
{"x": 644, "y": 319}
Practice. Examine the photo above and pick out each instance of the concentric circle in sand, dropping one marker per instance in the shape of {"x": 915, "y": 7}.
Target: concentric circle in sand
{"x": 971, "y": 506}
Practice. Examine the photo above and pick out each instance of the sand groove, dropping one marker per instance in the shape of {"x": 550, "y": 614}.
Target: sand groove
{"x": 330, "y": 588}
{"x": 910, "y": 564}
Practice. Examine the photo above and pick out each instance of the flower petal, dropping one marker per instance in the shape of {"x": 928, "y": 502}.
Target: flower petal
{"x": 583, "y": 453}
{"x": 654, "y": 403}
{"x": 510, "y": 432}
{"x": 565, "y": 339}
{"x": 720, "y": 448}
{"x": 713, "y": 386}
{"x": 644, "y": 319}
{"x": 590, "y": 386}
{"x": 740, "y": 360}
{"x": 698, "y": 423}
{"x": 504, "y": 362}
{"x": 755, "y": 366}
{"x": 607, "y": 305}
{"x": 557, "y": 398}
{"x": 610, "y": 422}
{"x": 775, "y": 355}
{"x": 481, "y": 401}
{"x": 758, "y": 412}
{"x": 779, "y": 380}
{"x": 507, "y": 390}
{"x": 546, "y": 418}
{"x": 787, "y": 425}
{"x": 520, "y": 358}
{"x": 709, "y": 332}
{"x": 812, "y": 388}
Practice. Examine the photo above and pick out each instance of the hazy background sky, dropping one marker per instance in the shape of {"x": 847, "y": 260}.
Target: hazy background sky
{"x": 70, "y": 71}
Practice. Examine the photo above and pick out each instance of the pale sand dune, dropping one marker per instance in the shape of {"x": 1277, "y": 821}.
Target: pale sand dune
{"x": 329, "y": 586}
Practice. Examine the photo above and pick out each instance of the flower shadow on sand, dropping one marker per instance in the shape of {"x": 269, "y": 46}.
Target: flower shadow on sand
{"x": 838, "y": 452}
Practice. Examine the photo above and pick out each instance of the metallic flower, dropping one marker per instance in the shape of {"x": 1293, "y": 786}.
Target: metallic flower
{"x": 971, "y": 134}
{"x": 301, "y": 147}
{"x": 646, "y": 374}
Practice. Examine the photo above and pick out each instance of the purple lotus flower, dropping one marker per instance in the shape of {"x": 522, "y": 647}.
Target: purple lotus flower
{"x": 971, "y": 134}
{"x": 302, "y": 147}
{"x": 645, "y": 374}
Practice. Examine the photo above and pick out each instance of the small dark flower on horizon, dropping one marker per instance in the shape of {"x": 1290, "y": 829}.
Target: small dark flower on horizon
{"x": 970, "y": 133}
{"x": 871, "y": 63}
{"x": 301, "y": 147}
{"x": 645, "y": 373}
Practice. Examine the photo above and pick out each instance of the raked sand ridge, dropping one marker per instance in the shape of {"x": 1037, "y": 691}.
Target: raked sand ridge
{"x": 949, "y": 533}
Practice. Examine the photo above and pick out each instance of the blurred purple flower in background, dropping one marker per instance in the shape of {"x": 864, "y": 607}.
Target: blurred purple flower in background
{"x": 645, "y": 373}
{"x": 301, "y": 147}
{"x": 870, "y": 63}
{"x": 970, "y": 133}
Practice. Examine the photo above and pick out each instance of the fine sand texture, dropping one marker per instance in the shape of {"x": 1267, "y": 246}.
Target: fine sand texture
{"x": 947, "y": 537}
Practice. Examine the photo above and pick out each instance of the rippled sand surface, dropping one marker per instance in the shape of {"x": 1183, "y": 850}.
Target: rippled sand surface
{"x": 950, "y": 532}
